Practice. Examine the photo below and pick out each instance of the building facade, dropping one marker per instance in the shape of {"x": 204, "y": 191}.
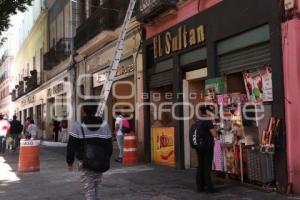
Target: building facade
{"x": 43, "y": 83}
{"x": 210, "y": 52}
{"x": 95, "y": 42}
{"x": 27, "y": 65}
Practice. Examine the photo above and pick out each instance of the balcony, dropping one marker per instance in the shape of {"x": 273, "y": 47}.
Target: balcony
{"x": 63, "y": 48}
{"x": 21, "y": 90}
{"x": 13, "y": 95}
{"x": 149, "y": 9}
{"x": 107, "y": 17}
{"x": 31, "y": 82}
{"x": 57, "y": 53}
{"x": 50, "y": 59}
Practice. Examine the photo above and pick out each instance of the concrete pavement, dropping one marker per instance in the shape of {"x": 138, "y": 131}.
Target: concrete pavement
{"x": 142, "y": 182}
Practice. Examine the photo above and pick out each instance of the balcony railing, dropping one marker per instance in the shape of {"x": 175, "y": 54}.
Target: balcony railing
{"x": 31, "y": 83}
{"x": 107, "y": 17}
{"x": 50, "y": 59}
{"x": 63, "y": 48}
{"x": 149, "y": 9}
{"x": 21, "y": 90}
{"x": 57, "y": 53}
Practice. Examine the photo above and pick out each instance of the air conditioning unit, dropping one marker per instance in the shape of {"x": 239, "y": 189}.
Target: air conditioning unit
{"x": 289, "y": 4}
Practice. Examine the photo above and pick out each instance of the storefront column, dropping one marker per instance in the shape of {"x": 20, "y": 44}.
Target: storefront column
{"x": 211, "y": 59}
{"x": 178, "y": 124}
{"x": 147, "y": 125}
{"x": 278, "y": 97}
{"x": 291, "y": 44}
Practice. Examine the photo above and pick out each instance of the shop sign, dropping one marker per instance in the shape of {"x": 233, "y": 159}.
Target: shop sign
{"x": 123, "y": 70}
{"x": 184, "y": 37}
{"x": 57, "y": 89}
{"x": 259, "y": 85}
{"x": 163, "y": 145}
{"x": 28, "y": 100}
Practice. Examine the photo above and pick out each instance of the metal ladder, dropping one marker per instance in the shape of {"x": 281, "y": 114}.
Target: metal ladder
{"x": 115, "y": 61}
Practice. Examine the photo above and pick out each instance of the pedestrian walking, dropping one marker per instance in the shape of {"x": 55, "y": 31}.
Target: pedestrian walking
{"x": 16, "y": 129}
{"x": 4, "y": 128}
{"x": 202, "y": 135}
{"x": 64, "y": 130}
{"x": 91, "y": 143}
{"x": 119, "y": 135}
{"x": 32, "y": 130}
{"x": 56, "y": 129}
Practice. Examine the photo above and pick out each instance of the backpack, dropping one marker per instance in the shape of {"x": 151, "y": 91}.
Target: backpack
{"x": 95, "y": 157}
{"x": 198, "y": 138}
{"x": 125, "y": 128}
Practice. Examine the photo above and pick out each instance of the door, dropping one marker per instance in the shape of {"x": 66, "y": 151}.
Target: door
{"x": 193, "y": 94}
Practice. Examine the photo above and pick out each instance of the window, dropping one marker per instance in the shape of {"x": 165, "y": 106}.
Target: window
{"x": 33, "y": 63}
{"x": 28, "y": 69}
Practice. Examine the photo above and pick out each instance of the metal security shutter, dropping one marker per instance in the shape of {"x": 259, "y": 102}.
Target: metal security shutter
{"x": 161, "y": 74}
{"x": 161, "y": 79}
{"x": 245, "y": 59}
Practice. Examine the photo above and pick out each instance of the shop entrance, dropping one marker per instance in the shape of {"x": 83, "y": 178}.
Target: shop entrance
{"x": 193, "y": 94}
{"x": 122, "y": 96}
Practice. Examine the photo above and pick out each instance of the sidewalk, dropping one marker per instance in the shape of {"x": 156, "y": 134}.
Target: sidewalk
{"x": 142, "y": 182}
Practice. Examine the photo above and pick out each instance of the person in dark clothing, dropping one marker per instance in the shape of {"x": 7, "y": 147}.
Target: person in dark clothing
{"x": 97, "y": 132}
{"x": 16, "y": 129}
{"x": 205, "y": 155}
{"x": 56, "y": 129}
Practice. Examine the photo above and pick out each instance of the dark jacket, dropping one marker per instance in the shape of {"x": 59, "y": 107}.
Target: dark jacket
{"x": 96, "y": 132}
{"x": 16, "y": 127}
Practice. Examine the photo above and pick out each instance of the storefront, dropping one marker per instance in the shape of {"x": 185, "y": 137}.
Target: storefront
{"x": 122, "y": 95}
{"x": 49, "y": 101}
{"x": 93, "y": 61}
{"x": 32, "y": 106}
{"x": 233, "y": 60}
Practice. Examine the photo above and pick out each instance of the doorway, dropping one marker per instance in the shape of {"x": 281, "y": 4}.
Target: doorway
{"x": 193, "y": 94}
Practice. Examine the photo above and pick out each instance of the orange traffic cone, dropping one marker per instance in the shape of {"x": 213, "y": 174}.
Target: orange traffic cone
{"x": 29, "y": 157}
{"x": 130, "y": 151}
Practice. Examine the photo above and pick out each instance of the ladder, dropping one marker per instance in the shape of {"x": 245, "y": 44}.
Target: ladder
{"x": 115, "y": 61}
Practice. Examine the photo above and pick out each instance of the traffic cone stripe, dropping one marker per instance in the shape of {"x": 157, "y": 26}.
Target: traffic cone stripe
{"x": 129, "y": 149}
{"x": 129, "y": 137}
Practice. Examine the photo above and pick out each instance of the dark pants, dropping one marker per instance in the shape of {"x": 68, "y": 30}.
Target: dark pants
{"x": 2, "y": 144}
{"x": 205, "y": 158}
{"x": 16, "y": 141}
{"x": 56, "y": 135}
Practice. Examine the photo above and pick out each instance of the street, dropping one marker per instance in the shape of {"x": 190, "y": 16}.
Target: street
{"x": 141, "y": 182}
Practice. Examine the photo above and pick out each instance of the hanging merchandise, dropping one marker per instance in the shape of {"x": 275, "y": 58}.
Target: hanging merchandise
{"x": 259, "y": 85}
{"x": 212, "y": 87}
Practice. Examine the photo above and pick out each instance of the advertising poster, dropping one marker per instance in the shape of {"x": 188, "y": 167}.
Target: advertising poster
{"x": 163, "y": 145}
{"x": 259, "y": 85}
{"x": 215, "y": 85}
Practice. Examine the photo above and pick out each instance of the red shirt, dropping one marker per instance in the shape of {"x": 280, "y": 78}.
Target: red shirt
{"x": 4, "y": 127}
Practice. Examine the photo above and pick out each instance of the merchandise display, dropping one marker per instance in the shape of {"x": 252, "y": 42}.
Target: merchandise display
{"x": 244, "y": 147}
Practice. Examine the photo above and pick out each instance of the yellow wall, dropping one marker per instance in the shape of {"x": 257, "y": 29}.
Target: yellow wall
{"x": 32, "y": 46}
